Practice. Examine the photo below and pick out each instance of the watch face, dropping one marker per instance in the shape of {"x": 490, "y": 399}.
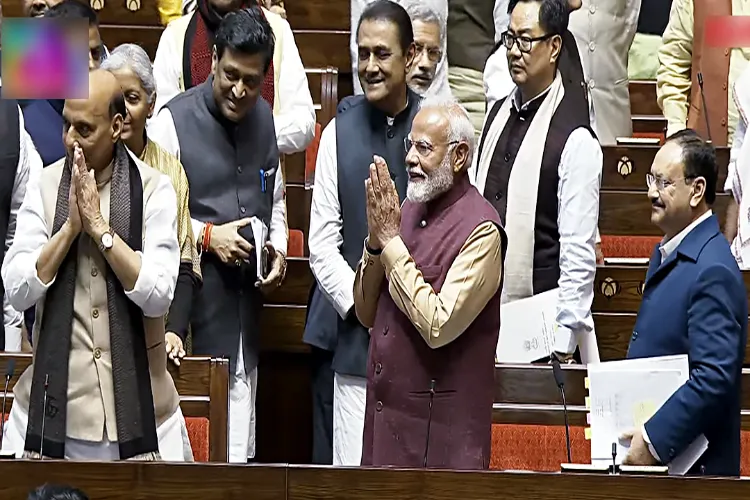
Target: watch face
{"x": 107, "y": 240}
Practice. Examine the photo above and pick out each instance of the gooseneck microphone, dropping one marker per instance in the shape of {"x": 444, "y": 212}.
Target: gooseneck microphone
{"x": 429, "y": 423}
{"x": 560, "y": 381}
{"x": 703, "y": 102}
{"x": 8, "y": 375}
{"x": 44, "y": 415}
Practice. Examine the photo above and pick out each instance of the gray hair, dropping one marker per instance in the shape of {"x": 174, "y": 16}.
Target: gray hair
{"x": 460, "y": 127}
{"x": 130, "y": 55}
{"x": 418, "y": 10}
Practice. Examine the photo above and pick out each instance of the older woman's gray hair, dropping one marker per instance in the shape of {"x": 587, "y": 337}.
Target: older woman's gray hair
{"x": 460, "y": 126}
{"x": 130, "y": 55}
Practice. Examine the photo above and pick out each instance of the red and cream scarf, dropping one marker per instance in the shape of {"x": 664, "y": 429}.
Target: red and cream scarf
{"x": 199, "y": 47}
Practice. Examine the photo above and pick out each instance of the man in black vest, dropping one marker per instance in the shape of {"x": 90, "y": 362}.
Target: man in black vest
{"x": 547, "y": 196}
{"x": 19, "y": 160}
{"x": 224, "y": 136}
{"x": 375, "y": 123}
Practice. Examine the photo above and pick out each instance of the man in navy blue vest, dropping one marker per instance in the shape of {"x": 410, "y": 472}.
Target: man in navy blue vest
{"x": 224, "y": 135}
{"x": 18, "y": 162}
{"x": 373, "y": 124}
{"x": 694, "y": 303}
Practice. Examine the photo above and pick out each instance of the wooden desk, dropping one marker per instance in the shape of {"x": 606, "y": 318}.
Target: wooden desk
{"x": 161, "y": 481}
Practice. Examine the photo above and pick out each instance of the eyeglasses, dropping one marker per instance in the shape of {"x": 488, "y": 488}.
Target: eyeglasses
{"x": 424, "y": 148}
{"x": 433, "y": 54}
{"x": 662, "y": 184}
{"x": 524, "y": 42}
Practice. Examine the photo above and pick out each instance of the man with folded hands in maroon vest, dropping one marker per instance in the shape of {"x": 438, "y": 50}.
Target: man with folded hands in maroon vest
{"x": 428, "y": 286}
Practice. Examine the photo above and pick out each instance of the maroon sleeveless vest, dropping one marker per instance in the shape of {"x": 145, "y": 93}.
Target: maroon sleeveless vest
{"x": 427, "y": 405}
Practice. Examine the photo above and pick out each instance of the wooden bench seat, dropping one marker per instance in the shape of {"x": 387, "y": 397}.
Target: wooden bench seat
{"x": 203, "y": 385}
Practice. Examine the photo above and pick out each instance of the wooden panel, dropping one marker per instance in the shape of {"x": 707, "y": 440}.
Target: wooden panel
{"x": 643, "y": 98}
{"x": 629, "y": 213}
{"x": 649, "y": 124}
{"x": 128, "y": 480}
{"x": 625, "y": 167}
{"x": 282, "y": 327}
{"x": 324, "y": 48}
{"x": 308, "y": 483}
{"x": 318, "y": 14}
{"x": 145, "y": 36}
{"x": 296, "y": 286}
{"x": 298, "y": 207}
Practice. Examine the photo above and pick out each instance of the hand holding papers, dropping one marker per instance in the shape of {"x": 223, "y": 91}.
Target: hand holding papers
{"x": 623, "y": 395}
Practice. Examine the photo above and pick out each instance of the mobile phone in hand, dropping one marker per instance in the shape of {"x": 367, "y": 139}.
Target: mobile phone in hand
{"x": 264, "y": 264}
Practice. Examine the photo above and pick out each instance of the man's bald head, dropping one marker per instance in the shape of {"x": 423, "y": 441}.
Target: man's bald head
{"x": 441, "y": 149}
{"x": 96, "y": 122}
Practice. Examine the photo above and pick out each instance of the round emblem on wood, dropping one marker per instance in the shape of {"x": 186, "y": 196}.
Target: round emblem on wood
{"x": 609, "y": 287}
{"x": 133, "y": 5}
{"x": 97, "y": 4}
{"x": 624, "y": 167}
{"x": 641, "y": 287}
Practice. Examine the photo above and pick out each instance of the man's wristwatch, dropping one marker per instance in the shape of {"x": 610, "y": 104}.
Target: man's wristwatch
{"x": 107, "y": 240}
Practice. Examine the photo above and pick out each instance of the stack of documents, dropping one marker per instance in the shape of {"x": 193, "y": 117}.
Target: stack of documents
{"x": 623, "y": 395}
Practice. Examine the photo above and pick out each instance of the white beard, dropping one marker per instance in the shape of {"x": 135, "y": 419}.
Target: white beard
{"x": 433, "y": 185}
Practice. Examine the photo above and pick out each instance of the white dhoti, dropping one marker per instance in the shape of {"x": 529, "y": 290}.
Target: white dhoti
{"x": 174, "y": 443}
{"x": 242, "y": 393}
{"x": 349, "y": 398}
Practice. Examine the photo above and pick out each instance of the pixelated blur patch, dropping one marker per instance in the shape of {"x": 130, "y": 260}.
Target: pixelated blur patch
{"x": 45, "y": 58}
{"x": 728, "y": 32}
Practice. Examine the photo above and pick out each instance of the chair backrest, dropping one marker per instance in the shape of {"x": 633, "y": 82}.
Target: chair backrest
{"x": 202, "y": 383}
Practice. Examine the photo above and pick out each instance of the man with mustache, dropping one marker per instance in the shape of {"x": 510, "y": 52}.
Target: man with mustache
{"x": 37, "y": 8}
{"x": 183, "y": 60}
{"x": 694, "y": 303}
{"x": 540, "y": 165}
{"x": 98, "y": 255}
{"x": 428, "y": 287}
{"x": 376, "y": 123}
{"x": 428, "y": 72}
{"x": 223, "y": 134}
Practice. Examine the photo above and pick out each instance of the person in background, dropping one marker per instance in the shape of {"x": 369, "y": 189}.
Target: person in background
{"x": 548, "y": 196}
{"x": 429, "y": 71}
{"x": 54, "y": 492}
{"x": 737, "y": 225}
{"x": 37, "y": 8}
{"x": 19, "y": 164}
{"x": 694, "y": 303}
{"x": 132, "y": 67}
{"x": 683, "y": 55}
{"x": 223, "y": 133}
{"x": 643, "y": 61}
{"x": 376, "y": 123}
{"x": 428, "y": 286}
{"x": 285, "y": 87}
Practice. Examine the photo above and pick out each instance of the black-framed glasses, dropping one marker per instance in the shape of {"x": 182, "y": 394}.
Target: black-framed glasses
{"x": 433, "y": 54}
{"x": 524, "y": 42}
{"x": 424, "y": 148}
{"x": 662, "y": 184}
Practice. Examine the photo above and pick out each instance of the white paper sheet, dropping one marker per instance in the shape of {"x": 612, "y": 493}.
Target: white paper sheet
{"x": 624, "y": 394}
{"x": 260, "y": 235}
{"x": 527, "y": 328}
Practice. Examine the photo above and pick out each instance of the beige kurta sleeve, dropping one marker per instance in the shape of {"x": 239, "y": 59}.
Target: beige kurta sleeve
{"x": 470, "y": 283}
{"x": 367, "y": 281}
{"x": 675, "y": 61}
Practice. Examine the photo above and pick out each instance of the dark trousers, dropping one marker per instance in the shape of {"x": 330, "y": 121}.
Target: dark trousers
{"x": 322, "y": 406}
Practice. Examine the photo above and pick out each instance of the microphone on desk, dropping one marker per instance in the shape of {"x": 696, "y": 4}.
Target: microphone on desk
{"x": 703, "y": 101}
{"x": 8, "y": 375}
{"x": 429, "y": 422}
{"x": 614, "y": 458}
{"x": 44, "y": 415}
{"x": 560, "y": 381}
